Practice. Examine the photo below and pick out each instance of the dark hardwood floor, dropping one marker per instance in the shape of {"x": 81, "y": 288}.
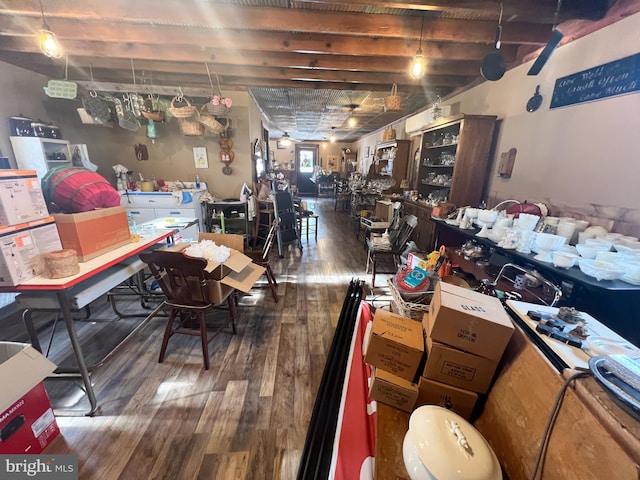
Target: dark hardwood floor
{"x": 246, "y": 417}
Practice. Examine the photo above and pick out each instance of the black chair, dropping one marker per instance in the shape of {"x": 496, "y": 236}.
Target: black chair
{"x": 398, "y": 238}
{"x": 289, "y": 229}
{"x": 261, "y": 257}
{"x": 182, "y": 280}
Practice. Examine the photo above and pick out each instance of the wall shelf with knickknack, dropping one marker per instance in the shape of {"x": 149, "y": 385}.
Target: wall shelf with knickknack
{"x": 392, "y": 159}
{"x": 40, "y": 154}
{"x": 454, "y": 158}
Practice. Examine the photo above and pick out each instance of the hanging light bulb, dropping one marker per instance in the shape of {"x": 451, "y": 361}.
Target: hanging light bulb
{"x": 352, "y": 122}
{"x": 418, "y": 65}
{"x": 47, "y": 40}
{"x": 332, "y": 137}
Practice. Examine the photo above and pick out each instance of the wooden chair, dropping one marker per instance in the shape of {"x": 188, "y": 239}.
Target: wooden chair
{"x": 182, "y": 280}
{"x": 261, "y": 257}
{"x": 398, "y": 238}
{"x": 265, "y": 213}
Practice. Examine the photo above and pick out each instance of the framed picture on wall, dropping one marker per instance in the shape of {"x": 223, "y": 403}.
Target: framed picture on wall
{"x": 332, "y": 162}
{"x": 200, "y": 157}
{"x": 280, "y": 145}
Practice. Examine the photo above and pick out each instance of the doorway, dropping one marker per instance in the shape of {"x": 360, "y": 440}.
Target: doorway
{"x": 306, "y": 161}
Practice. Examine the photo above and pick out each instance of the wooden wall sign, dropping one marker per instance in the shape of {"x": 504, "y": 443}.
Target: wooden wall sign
{"x": 608, "y": 80}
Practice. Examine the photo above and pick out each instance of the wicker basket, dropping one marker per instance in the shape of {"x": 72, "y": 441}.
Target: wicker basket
{"x": 219, "y": 110}
{"x": 190, "y": 127}
{"x": 211, "y": 122}
{"x": 182, "y": 112}
{"x": 394, "y": 101}
{"x": 388, "y": 134}
{"x": 409, "y": 309}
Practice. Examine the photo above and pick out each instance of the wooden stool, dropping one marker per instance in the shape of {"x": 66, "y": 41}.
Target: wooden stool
{"x": 308, "y": 223}
{"x": 263, "y": 221}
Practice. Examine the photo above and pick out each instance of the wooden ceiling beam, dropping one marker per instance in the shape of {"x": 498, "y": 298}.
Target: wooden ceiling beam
{"x": 264, "y": 41}
{"x": 233, "y": 83}
{"x": 197, "y": 14}
{"x": 222, "y": 58}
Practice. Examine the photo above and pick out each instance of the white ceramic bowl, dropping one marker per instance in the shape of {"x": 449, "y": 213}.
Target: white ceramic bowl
{"x": 549, "y": 242}
{"x": 586, "y": 251}
{"x": 622, "y": 248}
{"x": 527, "y": 221}
{"x": 602, "y": 244}
{"x": 564, "y": 259}
{"x": 487, "y": 217}
{"x": 595, "y": 231}
{"x": 609, "y": 257}
{"x": 600, "y": 270}
{"x": 633, "y": 244}
{"x": 631, "y": 273}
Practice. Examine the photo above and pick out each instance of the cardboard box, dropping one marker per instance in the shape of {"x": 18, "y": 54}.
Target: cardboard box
{"x": 237, "y": 273}
{"x": 469, "y": 321}
{"x": 451, "y": 366}
{"x": 22, "y": 247}
{"x": 395, "y": 344}
{"x": 457, "y": 399}
{"x": 21, "y": 198}
{"x": 417, "y": 259}
{"x": 93, "y": 233}
{"x": 384, "y": 210}
{"x": 27, "y": 423}
{"x": 393, "y": 390}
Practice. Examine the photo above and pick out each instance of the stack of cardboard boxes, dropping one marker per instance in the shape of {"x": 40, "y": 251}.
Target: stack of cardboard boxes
{"x": 26, "y": 229}
{"x": 463, "y": 336}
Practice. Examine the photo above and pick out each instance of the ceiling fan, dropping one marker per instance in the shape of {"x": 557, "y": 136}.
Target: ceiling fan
{"x": 287, "y": 140}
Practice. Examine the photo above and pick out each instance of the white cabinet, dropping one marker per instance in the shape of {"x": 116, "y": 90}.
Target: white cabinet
{"x": 40, "y": 154}
{"x": 147, "y": 206}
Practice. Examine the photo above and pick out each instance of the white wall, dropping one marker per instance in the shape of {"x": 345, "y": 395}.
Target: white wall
{"x": 585, "y": 154}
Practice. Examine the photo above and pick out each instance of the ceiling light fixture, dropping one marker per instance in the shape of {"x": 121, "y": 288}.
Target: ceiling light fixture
{"x": 332, "y": 137}
{"x": 285, "y": 140}
{"x": 47, "y": 39}
{"x": 352, "y": 121}
{"x": 418, "y": 65}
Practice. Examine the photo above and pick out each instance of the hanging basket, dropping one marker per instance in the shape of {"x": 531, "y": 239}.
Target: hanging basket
{"x": 182, "y": 112}
{"x": 219, "y": 110}
{"x": 394, "y": 101}
{"x": 190, "y": 127}
{"x": 212, "y": 123}
{"x": 388, "y": 134}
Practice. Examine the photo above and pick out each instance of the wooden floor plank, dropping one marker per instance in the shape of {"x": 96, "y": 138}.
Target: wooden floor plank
{"x": 246, "y": 417}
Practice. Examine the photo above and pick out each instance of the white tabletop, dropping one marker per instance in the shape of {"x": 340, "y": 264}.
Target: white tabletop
{"x": 93, "y": 266}
{"x": 572, "y": 356}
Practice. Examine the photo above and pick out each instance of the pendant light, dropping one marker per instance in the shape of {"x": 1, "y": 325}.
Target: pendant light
{"x": 332, "y": 137}
{"x": 418, "y": 65}
{"x": 47, "y": 40}
{"x": 285, "y": 141}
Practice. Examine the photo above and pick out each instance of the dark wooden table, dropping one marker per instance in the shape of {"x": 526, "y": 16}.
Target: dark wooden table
{"x": 613, "y": 302}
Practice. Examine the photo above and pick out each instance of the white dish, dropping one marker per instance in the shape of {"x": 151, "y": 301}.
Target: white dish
{"x": 600, "y": 270}
{"x": 599, "y": 346}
